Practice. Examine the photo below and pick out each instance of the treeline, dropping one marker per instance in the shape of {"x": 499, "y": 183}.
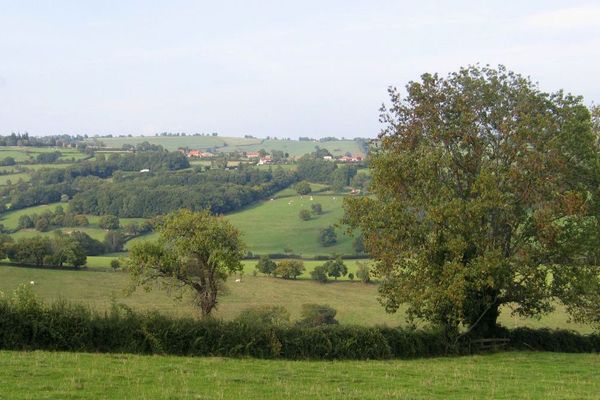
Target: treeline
{"x": 42, "y": 251}
{"x": 148, "y": 196}
{"x": 314, "y": 168}
{"x": 60, "y": 249}
{"x": 23, "y": 139}
{"x": 26, "y": 323}
{"x": 52, "y": 185}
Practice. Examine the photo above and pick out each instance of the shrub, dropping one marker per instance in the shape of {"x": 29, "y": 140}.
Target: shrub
{"x": 303, "y": 188}
{"x": 327, "y": 236}
{"x": 316, "y": 208}
{"x": 115, "y": 264}
{"x": 319, "y": 273}
{"x": 109, "y": 222}
{"x": 363, "y": 272}
{"x": 304, "y": 214}
{"x": 289, "y": 269}
{"x": 265, "y": 265}
{"x": 264, "y": 316}
{"x": 316, "y": 315}
{"x": 351, "y": 276}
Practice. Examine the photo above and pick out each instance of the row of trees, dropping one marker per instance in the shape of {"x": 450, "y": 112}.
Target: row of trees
{"x": 41, "y": 251}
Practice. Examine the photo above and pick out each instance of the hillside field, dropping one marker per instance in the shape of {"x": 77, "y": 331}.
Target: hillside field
{"x": 273, "y": 225}
{"x": 230, "y": 144}
{"x": 121, "y": 376}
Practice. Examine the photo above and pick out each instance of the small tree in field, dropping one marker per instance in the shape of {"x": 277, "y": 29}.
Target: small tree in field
{"x": 109, "y": 222}
{"x": 304, "y": 214}
{"x": 195, "y": 251}
{"x": 316, "y": 208}
{"x": 336, "y": 268}
{"x": 289, "y": 269}
{"x": 303, "y": 188}
{"x": 327, "y": 236}
{"x": 319, "y": 273}
{"x": 265, "y": 265}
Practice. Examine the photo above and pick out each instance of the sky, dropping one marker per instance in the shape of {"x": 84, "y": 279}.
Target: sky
{"x": 267, "y": 68}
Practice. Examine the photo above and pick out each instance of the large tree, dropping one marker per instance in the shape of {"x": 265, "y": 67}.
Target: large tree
{"x": 486, "y": 194}
{"x": 195, "y": 250}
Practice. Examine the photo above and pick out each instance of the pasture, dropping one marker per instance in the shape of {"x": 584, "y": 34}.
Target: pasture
{"x": 37, "y": 375}
{"x": 273, "y": 225}
{"x": 356, "y": 303}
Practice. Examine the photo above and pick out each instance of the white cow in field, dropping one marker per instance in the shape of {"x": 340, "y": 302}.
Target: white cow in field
{"x": 32, "y": 283}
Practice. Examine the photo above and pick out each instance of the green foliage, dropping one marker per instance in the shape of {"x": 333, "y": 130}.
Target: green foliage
{"x": 42, "y": 251}
{"x": 319, "y": 273}
{"x": 47, "y": 158}
{"x": 485, "y": 187}
{"x": 109, "y": 222}
{"x": 303, "y": 188}
{"x": 115, "y": 264}
{"x": 196, "y": 250}
{"x": 265, "y": 265}
{"x": 289, "y": 269}
{"x": 358, "y": 245}
{"x": 114, "y": 241}
{"x": 351, "y": 276}
{"x": 264, "y": 316}
{"x": 315, "y": 169}
{"x": 314, "y": 315}
{"x": 316, "y": 208}
{"x": 336, "y": 268}
{"x": 327, "y": 236}
{"x": 363, "y": 272}
{"x": 304, "y": 214}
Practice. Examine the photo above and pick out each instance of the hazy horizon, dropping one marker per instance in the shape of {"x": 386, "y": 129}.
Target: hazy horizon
{"x": 266, "y": 68}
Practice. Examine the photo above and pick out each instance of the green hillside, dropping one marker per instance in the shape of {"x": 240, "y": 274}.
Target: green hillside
{"x": 274, "y": 225}
{"x": 229, "y": 144}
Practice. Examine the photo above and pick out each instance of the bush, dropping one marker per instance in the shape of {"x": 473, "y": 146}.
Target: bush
{"x": 316, "y": 315}
{"x": 109, "y": 222}
{"x": 303, "y": 188}
{"x": 265, "y": 265}
{"x": 265, "y": 316}
{"x": 115, "y": 264}
{"x": 319, "y": 273}
{"x": 289, "y": 269}
{"x": 316, "y": 208}
{"x": 304, "y": 214}
{"x": 327, "y": 236}
{"x": 335, "y": 268}
{"x": 363, "y": 272}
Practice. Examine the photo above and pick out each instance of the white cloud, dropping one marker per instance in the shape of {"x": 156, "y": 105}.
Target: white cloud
{"x": 565, "y": 18}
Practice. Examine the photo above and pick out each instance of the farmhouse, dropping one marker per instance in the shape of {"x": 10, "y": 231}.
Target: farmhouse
{"x": 253, "y": 154}
{"x": 265, "y": 160}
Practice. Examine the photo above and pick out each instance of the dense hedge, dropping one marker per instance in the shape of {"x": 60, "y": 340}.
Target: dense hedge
{"x": 26, "y": 324}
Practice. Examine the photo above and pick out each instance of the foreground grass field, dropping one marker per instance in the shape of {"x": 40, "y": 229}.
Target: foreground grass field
{"x": 355, "y": 302}
{"x": 44, "y": 375}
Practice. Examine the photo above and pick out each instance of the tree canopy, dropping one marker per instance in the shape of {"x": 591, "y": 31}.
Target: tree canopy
{"x": 195, "y": 250}
{"x": 486, "y": 193}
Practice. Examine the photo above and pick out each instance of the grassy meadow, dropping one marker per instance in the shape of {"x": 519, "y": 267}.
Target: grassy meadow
{"x": 271, "y": 226}
{"x": 46, "y": 375}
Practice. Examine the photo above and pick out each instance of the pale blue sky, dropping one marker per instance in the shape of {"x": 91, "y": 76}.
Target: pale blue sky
{"x": 279, "y": 68}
